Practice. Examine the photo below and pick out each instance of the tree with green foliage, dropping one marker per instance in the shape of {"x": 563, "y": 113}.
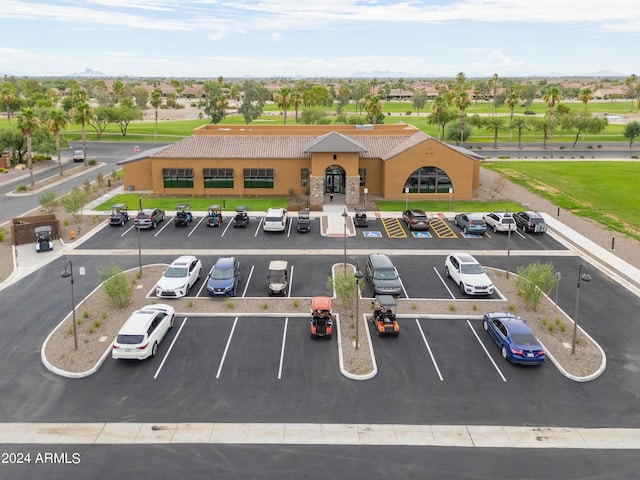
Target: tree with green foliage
{"x": 125, "y": 113}
{"x": 141, "y": 96}
{"x": 282, "y": 98}
{"x": 74, "y": 202}
{"x": 373, "y": 106}
{"x": 494, "y": 84}
{"x": 552, "y": 96}
{"x": 344, "y": 284}
{"x": 512, "y": 99}
{"x": 419, "y": 100}
{"x": 534, "y": 281}
{"x": 314, "y": 116}
{"x": 520, "y": 123}
{"x": 82, "y": 113}
{"x": 630, "y": 82}
{"x": 631, "y": 131}
{"x": 8, "y": 96}
{"x": 583, "y": 122}
{"x": 494, "y": 124}
{"x": 439, "y": 110}
{"x": 57, "y": 120}
{"x": 28, "y": 123}
{"x": 116, "y": 286}
{"x": 585, "y": 96}
{"x": 343, "y": 97}
{"x": 358, "y": 92}
{"x": 255, "y": 97}
{"x": 460, "y": 100}
{"x": 15, "y": 142}
{"x": 156, "y": 101}
{"x": 100, "y": 119}
{"x": 317, "y": 96}
{"x": 453, "y": 132}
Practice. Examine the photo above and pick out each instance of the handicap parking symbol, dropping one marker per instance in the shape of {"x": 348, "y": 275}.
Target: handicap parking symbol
{"x": 471, "y": 235}
{"x": 372, "y": 234}
{"x": 421, "y": 234}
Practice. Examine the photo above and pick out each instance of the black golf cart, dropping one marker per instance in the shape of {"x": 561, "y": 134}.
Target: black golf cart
{"x": 119, "y": 214}
{"x": 183, "y": 215}
{"x": 241, "y": 218}
{"x": 304, "y": 222}
{"x": 214, "y": 216}
{"x": 360, "y": 217}
{"x": 43, "y": 238}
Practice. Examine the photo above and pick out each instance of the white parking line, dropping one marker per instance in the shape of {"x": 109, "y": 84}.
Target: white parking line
{"x": 290, "y": 282}
{"x": 486, "y": 351}
{"x": 443, "y": 282}
{"x": 166, "y": 355}
{"x": 226, "y": 348}
{"x": 167, "y": 221}
{"x": 248, "y": 280}
{"x": 196, "y": 226}
{"x": 284, "y": 338}
{"x": 259, "y": 225}
{"x": 402, "y": 284}
{"x": 127, "y": 230}
{"x": 226, "y": 228}
{"x": 424, "y": 337}
{"x": 290, "y": 220}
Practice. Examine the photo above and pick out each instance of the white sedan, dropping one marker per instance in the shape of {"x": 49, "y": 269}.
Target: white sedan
{"x": 468, "y": 274}
{"x": 181, "y": 275}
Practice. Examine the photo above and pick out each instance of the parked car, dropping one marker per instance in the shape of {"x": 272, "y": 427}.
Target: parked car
{"x": 78, "y": 156}
{"x": 382, "y": 275}
{"x": 119, "y": 214}
{"x": 515, "y": 339}
{"x": 275, "y": 220}
{"x": 149, "y": 218}
{"x": 224, "y": 277}
{"x": 500, "y": 221}
{"x": 470, "y": 223}
{"x": 416, "y": 219}
{"x": 468, "y": 274}
{"x": 143, "y": 331}
{"x": 178, "y": 279}
{"x": 530, "y": 222}
{"x": 241, "y": 218}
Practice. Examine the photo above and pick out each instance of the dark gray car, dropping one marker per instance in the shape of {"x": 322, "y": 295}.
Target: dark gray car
{"x": 382, "y": 275}
{"x": 149, "y": 218}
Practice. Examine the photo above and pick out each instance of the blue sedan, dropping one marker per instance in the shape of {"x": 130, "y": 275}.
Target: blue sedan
{"x": 517, "y": 342}
{"x": 224, "y": 277}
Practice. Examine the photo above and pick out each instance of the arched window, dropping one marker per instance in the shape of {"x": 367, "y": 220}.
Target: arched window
{"x": 428, "y": 180}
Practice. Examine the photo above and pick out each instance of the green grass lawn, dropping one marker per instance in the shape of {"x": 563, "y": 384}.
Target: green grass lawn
{"x": 443, "y": 206}
{"x": 197, "y": 204}
{"x": 603, "y": 191}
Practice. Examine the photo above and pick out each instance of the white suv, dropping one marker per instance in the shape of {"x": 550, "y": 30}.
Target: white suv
{"x": 275, "y": 220}
{"x": 500, "y": 222}
{"x": 468, "y": 274}
{"x": 143, "y": 331}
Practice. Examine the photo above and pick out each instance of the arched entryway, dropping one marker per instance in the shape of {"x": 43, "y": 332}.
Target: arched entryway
{"x": 334, "y": 179}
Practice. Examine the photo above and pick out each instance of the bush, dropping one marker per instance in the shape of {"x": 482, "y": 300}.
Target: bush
{"x": 115, "y": 285}
{"x": 47, "y": 200}
{"x": 74, "y": 202}
{"x": 345, "y": 286}
{"x": 534, "y": 280}
{"x": 3, "y": 232}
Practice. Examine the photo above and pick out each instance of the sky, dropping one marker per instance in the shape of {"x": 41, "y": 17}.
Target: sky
{"x": 319, "y": 38}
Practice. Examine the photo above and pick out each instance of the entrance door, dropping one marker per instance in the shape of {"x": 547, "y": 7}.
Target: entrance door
{"x": 334, "y": 180}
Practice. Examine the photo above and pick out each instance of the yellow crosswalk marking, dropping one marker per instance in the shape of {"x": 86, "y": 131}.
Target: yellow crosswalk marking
{"x": 393, "y": 227}
{"x": 442, "y": 228}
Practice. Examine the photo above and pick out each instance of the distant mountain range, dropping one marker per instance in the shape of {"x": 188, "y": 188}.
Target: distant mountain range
{"x": 88, "y": 72}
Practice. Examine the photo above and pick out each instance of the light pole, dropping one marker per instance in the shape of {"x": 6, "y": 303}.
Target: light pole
{"x": 585, "y": 277}
{"x": 344, "y": 216}
{"x": 366, "y": 190}
{"x": 450, "y": 193}
{"x": 406, "y": 198}
{"x": 139, "y": 248}
{"x": 558, "y": 277}
{"x": 507, "y": 213}
{"x": 69, "y": 273}
{"x": 358, "y": 276}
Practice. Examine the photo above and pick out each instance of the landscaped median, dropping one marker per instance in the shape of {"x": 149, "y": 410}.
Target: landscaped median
{"x": 98, "y": 323}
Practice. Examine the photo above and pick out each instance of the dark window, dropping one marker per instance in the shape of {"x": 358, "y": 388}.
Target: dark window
{"x": 428, "y": 180}
{"x": 363, "y": 176}
{"x": 258, "y": 178}
{"x": 218, "y": 177}
{"x": 304, "y": 177}
{"x": 177, "y": 177}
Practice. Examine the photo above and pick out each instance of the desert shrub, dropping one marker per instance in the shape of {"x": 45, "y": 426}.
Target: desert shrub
{"x": 47, "y": 200}
{"x": 533, "y": 281}
{"x": 344, "y": 283}
{"x": 115, "y": 285}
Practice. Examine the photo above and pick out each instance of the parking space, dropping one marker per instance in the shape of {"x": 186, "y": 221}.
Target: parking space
{"x": 448, "y": 351}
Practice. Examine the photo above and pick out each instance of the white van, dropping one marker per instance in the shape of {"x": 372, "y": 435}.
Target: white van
{"x": 275, "y": 220}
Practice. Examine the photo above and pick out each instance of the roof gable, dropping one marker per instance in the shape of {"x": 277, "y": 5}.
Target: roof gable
{"x": 333, "y": 142}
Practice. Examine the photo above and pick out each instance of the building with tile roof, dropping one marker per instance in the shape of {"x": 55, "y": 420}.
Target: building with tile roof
{"x": 393, "y": 161}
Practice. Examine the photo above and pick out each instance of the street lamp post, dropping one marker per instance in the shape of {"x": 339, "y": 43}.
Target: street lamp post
{"x": 344, "y": 216}
{"x": 585, "y": 277}
{"x": 139, "y": 248}
{"x": 358, "y": 276}
{"x": 558, "y": 277}
{"x": 69, "y": 273}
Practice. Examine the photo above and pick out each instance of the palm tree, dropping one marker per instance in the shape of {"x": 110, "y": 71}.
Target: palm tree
{"x": 156, "y": 101}
{"x": 58, "y": 120}
{"x": 28, "y": 123}
{"x": 373, "y": 106}
{"x": 631, "y": 82}
{"x": 552, "y": 96}
{"x": 521, "y": 123}
{"x": 439, "y": 106}
{"x": 495, "y": 124}
{"x": 511, "y": 101}
{"x": 282, "y": 98}
{"x": 82, "y": 114}
{"x": 297, "y": 98}
{"x": 585, "y": 95}
{"x": 8, "y": 94}
{"x": 493, "y": 85}
{"x": 461, "y": 101}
